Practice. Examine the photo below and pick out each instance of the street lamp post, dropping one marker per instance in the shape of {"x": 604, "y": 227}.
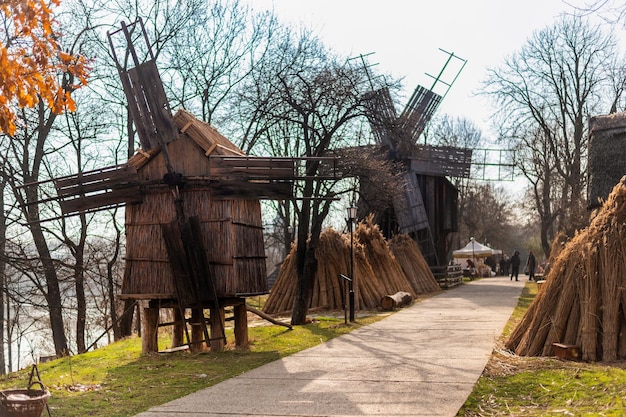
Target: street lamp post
{"x": 472, "y": 273}
{"x": 351, "y": 219}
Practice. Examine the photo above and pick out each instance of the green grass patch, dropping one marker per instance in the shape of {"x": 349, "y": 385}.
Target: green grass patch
{"x": 118, "y": 380}
{"x": 540, "y": 386}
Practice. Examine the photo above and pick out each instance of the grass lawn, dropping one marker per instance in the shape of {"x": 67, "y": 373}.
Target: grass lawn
{"x": 539, "y": 386}
{"x": 117, "y": 380}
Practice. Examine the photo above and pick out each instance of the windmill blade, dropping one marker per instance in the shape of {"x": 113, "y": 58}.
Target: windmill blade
{"x": 98, "y": 189}
{"x": 418, "y": 112}
{"x": 144, "y": 90}
{"x": 382, "y": 116}
{"x": 441, "y": 160}
{"x": 409, "y": 208}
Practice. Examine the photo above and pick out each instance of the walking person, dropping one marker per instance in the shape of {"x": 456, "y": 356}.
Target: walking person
{"x": 531, "y": 264}
{"x": 515, "y": 261}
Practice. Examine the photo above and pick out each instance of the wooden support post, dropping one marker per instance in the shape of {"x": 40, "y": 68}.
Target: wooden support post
{"x": 149, "y": 339}
{"x": 241, "y": 325}
{"x": 179, "y": 328}
{"x": 217, "y": 328}
{"x": 197, "y": 333}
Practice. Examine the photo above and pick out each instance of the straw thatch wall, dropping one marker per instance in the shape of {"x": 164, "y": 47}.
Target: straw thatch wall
{"x": 231, "y": 230}
{"x": 583, "y": 300}
{"x": 607, "y": 134}
{"x": 377, "y": 272}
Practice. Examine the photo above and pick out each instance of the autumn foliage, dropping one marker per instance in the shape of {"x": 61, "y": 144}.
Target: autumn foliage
{"x": 33, "y": 68}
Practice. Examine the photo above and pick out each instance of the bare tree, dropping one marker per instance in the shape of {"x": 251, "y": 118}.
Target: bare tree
{"x": 213, "y": 54}
{"x": 612, "y": 11}
{"x": 545, "y": 93}
{"x": 306, "y": 103}
{"x": 3, "y": 281}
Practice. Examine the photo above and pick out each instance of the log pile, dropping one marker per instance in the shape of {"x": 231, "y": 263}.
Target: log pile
{"x": 377, "y": 272}
{"x": 583, "y": 302}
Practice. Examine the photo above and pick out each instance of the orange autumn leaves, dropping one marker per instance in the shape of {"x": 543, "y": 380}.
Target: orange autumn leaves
{"x": 32, "y": 62}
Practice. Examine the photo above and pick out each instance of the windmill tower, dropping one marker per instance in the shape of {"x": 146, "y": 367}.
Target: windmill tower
{"x": 194, "y": 235}
{"x": 427, "y": 207}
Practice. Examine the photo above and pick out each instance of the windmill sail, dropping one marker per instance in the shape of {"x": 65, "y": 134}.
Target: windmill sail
{"x": 382, "y": 116}
{"x": 409, "y": 210}
{"x": 418, "y": 112}
{"x": 147, "y": 102}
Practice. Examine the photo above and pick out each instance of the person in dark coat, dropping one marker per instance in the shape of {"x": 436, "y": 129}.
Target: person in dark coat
{"x": 515, "y": 261}
{"x": 504, "y": 265}
{"x": 531, "y": 264}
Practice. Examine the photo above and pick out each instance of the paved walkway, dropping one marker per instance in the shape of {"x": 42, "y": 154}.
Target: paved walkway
{"x": 421, "y": 361}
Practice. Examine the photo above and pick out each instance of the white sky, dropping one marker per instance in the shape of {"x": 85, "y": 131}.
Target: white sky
{"x": 406, "y": 37}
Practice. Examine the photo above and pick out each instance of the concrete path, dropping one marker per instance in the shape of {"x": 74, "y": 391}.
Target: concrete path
{"x": 421, "y": 361}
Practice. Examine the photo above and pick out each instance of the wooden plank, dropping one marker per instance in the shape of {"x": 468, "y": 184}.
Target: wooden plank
{"x": 152, "y": 103}
{"x": 179, "y": 264}
{"x": 95, "y": 181}
{"x": 246, "y": 172}
{"x": 251, "y": 167}
{"x": 252, "y": 191}
{"x": 252, "y": 161}
{"x": 115, "y": 197}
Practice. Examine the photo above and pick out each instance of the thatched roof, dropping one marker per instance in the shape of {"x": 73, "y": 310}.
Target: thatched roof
{"x": 381, "y": 268}
{"x": 606, "y": 166}
{"x": 583, "y": 302}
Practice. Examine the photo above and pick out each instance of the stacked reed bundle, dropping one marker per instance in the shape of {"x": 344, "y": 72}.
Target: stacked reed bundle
{"x": 391, "y": 277}
{"x": 415, "y": 267}
{"x": 583, "y": 302}
{"x": 377, "y": 273}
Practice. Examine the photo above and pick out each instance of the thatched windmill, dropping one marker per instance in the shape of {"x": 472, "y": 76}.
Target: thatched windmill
{"x": 427, "y": 208}
{"x": 194, "y": 236}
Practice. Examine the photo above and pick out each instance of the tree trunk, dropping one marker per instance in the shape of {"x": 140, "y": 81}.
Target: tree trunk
{"x": 126, "y": 321}
{"x": 303, "y": 295}
{"x": 3, "y": 282}
{"x": 53, "y": 293}
{"x": 53, "y": 290}
{"x": 81, "y": 304}
{"x": 122, "y": 325}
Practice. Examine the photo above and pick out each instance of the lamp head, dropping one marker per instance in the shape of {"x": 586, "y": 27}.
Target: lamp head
{"x": 352, "y": 213}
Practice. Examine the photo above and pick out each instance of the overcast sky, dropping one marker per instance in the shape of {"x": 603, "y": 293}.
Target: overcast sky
{"x": 406, "y": 38}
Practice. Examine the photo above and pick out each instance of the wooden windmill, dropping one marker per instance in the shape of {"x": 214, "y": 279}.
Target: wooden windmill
{"x": 427, "y": 207}
{"x": 194, "y": 235}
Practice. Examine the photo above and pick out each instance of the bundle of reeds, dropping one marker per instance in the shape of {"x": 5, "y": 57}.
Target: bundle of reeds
{"x": 415, "y": 267}
{"x": 376, "y": 272}
{"x": 391, "y": 277}
{"x": 583, "y": 302}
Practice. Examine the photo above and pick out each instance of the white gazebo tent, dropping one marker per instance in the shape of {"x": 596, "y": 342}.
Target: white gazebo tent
{"x": 474, "y": 250}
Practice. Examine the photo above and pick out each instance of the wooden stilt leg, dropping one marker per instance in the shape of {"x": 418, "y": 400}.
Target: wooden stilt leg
{"x": 179, "y": 328}
{"x": 241, "y": 325}
{"x": 217, "y": 328}
{"x": 197, "y": 333}
{"x": 149, "y": 339}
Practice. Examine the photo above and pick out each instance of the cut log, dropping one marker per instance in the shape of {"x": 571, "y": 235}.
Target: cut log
{"x": 399, "y": 299}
